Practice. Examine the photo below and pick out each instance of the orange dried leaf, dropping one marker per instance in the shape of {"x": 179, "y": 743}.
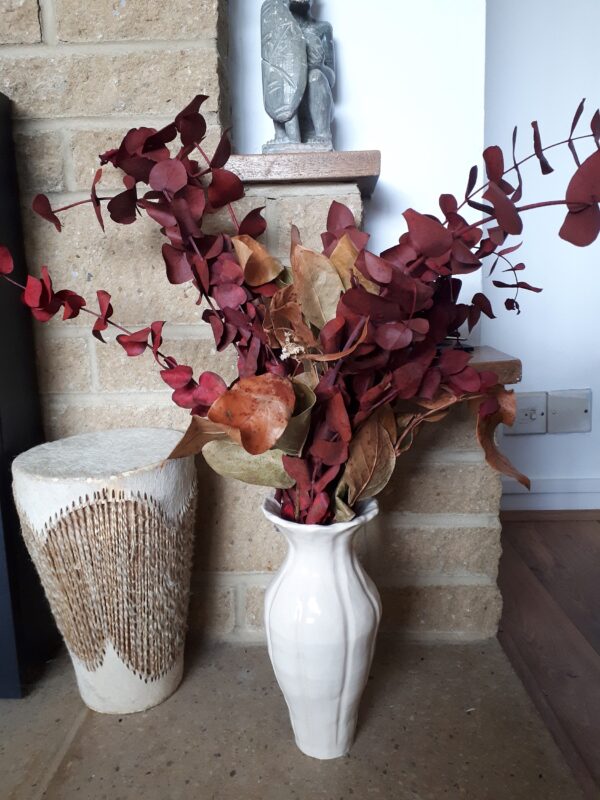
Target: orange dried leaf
{"x": 486, "y": 428}
{"x": 259, "y": 407}
{"x": 258, "y": 264}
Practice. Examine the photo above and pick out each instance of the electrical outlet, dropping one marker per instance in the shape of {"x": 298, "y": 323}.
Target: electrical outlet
{"x": 531, "y": 414}
{"x": 570, "y": 411}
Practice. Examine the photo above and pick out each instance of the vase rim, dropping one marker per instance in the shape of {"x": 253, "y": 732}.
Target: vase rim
{"x": 366, "y": 511}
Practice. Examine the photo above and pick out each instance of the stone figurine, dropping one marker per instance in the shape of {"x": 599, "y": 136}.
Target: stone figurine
{"x": 298, "y": 67}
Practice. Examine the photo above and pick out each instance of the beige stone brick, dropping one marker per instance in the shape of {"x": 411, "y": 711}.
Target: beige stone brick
{"x": 390, "y": 552}
{"x": 308, "y": 211}
{"x": 63, "y": 365}
{"x": 39, "y": 161}
{"x": 116, "y": 20}
{"x": 64, "y": 417}
{"x": 451, "y": 488}
{"x": 456, "y": 432}
{"x": 233, "y": 534}
{"x": 473, "y": 610}
{"x": 126, "y": 261}
{"x": 118, "y": 372}
{"x": 20, "y": 22}
{"x": 86, "y": 145}
{"x": 255, "y": 605}
{"x": 98, "y": 84}
{"x": 212, "y": 609}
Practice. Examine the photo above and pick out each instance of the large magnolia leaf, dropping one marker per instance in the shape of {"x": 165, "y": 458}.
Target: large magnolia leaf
{"x": 486, "y": 428}
{"x": 200, "y": 432}
{"x": 317, "y": 283}
{"x": 258, "y": 264}
{"x": 371, "y": 460}
{"x": 294, "y": 436}
{"x": 232, "y": 461}
{"x": 259, "y": 407}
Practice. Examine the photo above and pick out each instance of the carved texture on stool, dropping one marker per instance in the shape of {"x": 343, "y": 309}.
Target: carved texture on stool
{"x": 116, "y": 570}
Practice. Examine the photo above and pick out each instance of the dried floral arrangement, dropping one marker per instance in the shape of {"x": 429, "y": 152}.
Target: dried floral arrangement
{"x": 343, "y": 355}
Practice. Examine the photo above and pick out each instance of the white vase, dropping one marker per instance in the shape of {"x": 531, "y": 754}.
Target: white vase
{"x": 322, "y": 612}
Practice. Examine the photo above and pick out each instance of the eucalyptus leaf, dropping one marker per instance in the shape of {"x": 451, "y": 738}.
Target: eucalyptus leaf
{"x": 293, "y": 438}
{"x": 231, "y": 461}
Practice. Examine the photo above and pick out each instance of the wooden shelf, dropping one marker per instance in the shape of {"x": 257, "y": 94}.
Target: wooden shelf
{"x": 508, "y": 368}
{"x": 358, "y": 166}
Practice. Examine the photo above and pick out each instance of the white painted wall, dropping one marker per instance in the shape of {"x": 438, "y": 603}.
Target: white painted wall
{"x": 410, "y": 83}
{"x": 542, "y": 58}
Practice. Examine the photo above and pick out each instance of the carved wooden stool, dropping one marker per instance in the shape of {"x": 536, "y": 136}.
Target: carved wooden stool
{"x": 109, "y": 526}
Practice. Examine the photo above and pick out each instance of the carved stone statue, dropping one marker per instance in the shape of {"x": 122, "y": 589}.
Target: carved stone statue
{"x": 298, "y": 67}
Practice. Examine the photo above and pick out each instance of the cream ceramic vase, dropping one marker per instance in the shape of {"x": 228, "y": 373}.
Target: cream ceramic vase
{"x": 322, "y": 612}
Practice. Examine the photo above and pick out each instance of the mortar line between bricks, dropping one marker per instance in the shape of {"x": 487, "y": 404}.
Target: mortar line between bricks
{"x": 92, "y": 123}
{"x": 201, "y": 332}
{"x": 402, "y": 580}
{"x": 408, "y": 519}
{"x": 47, "y": 16}
{"x": 46, "y": 778}
{"x": 48, "y": 51}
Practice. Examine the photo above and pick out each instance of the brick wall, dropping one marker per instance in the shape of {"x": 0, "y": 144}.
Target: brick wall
{"x": 80, "y": 75}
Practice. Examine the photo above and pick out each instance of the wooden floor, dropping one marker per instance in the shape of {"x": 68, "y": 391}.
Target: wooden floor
{"x": 550, "y": 629}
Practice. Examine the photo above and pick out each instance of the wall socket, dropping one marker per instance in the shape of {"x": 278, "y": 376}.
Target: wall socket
{"x": 568, "y": 411}
{"x": 532, "y": 414}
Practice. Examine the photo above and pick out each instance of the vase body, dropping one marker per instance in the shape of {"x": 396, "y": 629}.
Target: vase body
{"x": 322, "y": 613}
{"x": 109, "y": 526}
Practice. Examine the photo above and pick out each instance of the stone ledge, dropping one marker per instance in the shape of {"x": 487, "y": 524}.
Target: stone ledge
{"x": 362, "y": 167}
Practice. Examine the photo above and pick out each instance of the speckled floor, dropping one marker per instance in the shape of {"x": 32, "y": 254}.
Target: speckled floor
{"x": 438, "y": 721}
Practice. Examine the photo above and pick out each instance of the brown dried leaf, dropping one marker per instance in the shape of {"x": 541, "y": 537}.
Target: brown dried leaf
{"x": 293, "y": 439}
{"x": 258, "y": 264}
{"x": 371, "y": 460}
{"x": 317, "y": 283}
{"x": 343, "y": 259}
{"x": 200, "y": 432}
{"x": 260, "y": 407}
{"x": 486, "y": 427}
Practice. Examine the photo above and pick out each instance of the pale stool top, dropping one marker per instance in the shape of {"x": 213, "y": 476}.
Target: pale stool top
{"x": 98, "y": 456}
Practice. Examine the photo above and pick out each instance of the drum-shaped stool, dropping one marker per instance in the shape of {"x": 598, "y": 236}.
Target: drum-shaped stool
{"x": 109, "y": 525}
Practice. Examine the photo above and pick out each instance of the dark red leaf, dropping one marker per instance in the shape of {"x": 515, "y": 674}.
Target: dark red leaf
{"x": 481, "y": 301}
{"x": 134, "y": 344}
{"x": 427, "y": 234}
{"x": 537, "y": 146}
{"x": 448, "y": 204}
{"x": 168, "y": 176}
{"x": 41, "y": 205}
{"x": 337, "y": 417}
{"x": 453, "y": 361}
{"x": 95, "y": 201}
{"x": 253, "y": 224}
{"x": 222, "y": 153}
{"x": 225, "y": 188}
{"x": 339, "y": 217}
{"x": 122, "y": 207}
{"x": 178, "y": 266}
{"x": 297, "y": 468}
{"x": 106, "y": 312}
{"x": 156, "y": 329}
{"x": 318, "y": 510}
{"x": 374, "y": 267}
{"x": 407, "y": 379}
{"x": 393, "y": 336}
{"x": 178, "y": 377}
{"x": 72, "y": 303}
{"x": 474, "y": 171}
{"x": 6, "y": 261}
{"x": 190, "y": 123}
{"x": 595, "y": 127}
{"x": 505, "y": 210}
{"x": 230, "y": 295}
{"x": 518, "y": 193}
{"x": 330, "y": 453}
{"x": 494, "y": 163}
{"x": 210, "y": 387}
{"x": 581, "y": 228}
{"x": 577, "y": 117}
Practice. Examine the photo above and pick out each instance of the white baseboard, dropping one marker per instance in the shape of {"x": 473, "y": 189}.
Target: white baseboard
{"x": 551, "y": 494}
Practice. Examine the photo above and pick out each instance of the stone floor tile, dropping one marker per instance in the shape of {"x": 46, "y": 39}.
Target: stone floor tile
{"x": 448, "y": 721}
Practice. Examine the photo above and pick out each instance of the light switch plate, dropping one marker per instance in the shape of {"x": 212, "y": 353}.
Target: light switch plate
{"x": 531, "y": 414}
{"x": 570, "y": 411}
